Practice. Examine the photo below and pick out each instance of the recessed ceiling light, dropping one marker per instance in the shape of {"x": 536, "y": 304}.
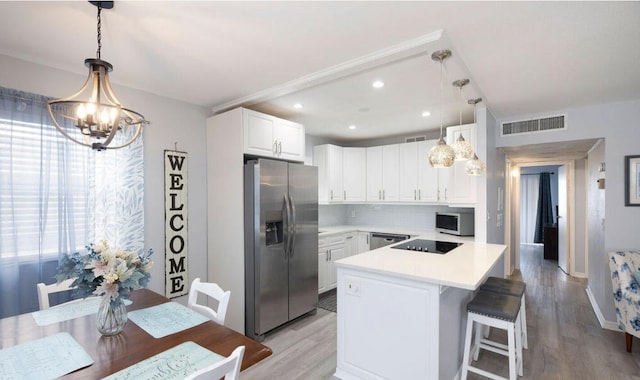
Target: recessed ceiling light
{"x": 352, "y": 127}
{"x": 297, "y": 106}
{"x": 426, "y": 114}
{"x": 378, "y": 84}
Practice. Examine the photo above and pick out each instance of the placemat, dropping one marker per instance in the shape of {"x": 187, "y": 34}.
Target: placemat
{"x": 166, "y": 319}
{"x": 174, "y": 363}
{"x": 45, "y": 358}
{"x": 69, "y": 310}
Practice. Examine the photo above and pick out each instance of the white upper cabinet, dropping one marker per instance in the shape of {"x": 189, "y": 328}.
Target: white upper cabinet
{"x": 408, "y": 172}
{"x": 269, "y": 136}
{"x": 328, "y": 159}
{"x": 383, "y": 164}
{"x": 428, "y": 176}
{"x": 462, "y": 187}
{"x": 354, "y": 174}
{"x": 419, "y": 182}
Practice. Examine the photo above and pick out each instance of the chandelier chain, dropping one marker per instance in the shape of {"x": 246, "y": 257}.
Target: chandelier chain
{"x": 99, "y": 30}
{"x": 441, "y": 91}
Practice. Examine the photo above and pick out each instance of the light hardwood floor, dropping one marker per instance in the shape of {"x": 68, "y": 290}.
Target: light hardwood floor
{"x": 565, "y": 338}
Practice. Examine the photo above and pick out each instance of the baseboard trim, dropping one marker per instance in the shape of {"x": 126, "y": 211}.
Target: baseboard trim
{"x": 579, "y": 275}
{"x": 596, "y": 309}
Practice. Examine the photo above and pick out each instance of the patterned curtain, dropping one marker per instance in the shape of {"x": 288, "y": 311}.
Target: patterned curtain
{"x": 56, "y": 196}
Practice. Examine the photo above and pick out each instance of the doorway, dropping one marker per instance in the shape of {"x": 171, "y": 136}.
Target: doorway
{"x": 523, "y": 194}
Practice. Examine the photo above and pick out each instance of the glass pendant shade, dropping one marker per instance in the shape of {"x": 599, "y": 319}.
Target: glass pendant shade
{"x": 462, "y": 148}
{"x": 474, "y": 166}
{"x": 441, "y": 155}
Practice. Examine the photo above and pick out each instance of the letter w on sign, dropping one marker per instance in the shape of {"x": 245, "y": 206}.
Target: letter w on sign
{"x": 175, "y": 224}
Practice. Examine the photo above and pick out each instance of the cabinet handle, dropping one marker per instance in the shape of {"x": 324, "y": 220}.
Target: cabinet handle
{"x": 329, "y": 259}
{"x": 275, "y": 147}
{"x": 415, "y": 197}
{"x": 349, "y": 237}
{"x": 445, "y": 194}
{"x": 344, "y": 194}
{"x": 419, "y": 194}
{"x": 331, "y": 194}
{"x": 367, "y": 239}
{"x": 383, "y": 195}
{"x": 279, "y": 147}
{"x": 379, "y": 194}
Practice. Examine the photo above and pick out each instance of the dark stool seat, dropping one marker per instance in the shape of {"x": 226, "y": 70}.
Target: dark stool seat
{"x": 504, "y": 286}
{"x": 495, "y": 305}
{"x": 514, "y": 288}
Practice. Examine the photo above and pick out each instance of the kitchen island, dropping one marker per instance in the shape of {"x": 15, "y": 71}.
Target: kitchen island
{"x": 402, "y": 314}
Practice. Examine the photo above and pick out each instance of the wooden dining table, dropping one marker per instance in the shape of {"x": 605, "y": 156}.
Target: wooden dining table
{"x": 114, "y": 353}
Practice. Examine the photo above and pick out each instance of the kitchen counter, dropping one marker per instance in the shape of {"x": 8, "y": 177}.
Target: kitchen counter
{"x": 333, "y": 230}
{"x": 401, "y": 314}
{"x": 465, "y": 267}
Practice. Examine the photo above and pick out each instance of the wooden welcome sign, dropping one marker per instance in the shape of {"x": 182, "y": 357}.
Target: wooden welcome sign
{"x": 175, "y": 224}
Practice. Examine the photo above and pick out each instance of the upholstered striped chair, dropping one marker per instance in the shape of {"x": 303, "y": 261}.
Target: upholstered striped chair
{"x": 625, "y": 268}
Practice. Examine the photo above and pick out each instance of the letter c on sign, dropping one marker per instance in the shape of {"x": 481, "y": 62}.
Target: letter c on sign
{"x": 173, "y": 226}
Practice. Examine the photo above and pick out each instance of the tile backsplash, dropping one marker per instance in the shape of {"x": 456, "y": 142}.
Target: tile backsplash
{"x": 412, "y": 216}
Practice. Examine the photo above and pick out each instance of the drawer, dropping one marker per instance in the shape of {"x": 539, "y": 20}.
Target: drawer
{"x": 330, "y": 240}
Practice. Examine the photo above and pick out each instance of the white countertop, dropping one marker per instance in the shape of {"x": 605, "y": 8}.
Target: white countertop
{"x": 333, "y": 230}
{"x": 465, "y": 267}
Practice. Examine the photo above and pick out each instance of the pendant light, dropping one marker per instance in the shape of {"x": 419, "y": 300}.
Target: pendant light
{"x": 441, "y": 155}
{"x": 94, "y": 109}
{"x": 461, "y": 147}
{"x": 474, "y": 166}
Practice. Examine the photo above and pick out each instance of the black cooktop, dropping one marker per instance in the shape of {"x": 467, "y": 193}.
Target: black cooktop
{"x": 428, "y": 246}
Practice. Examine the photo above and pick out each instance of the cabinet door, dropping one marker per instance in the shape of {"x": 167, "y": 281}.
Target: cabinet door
{"x": 350, "y": 244}
{"x": 363, "y": 242}
{"x": 374, "y": 174}
{"x": 289, "y": 138}
{"x": 323, "y": 275}
{"x": 427, "y": 175}
{"x": 335, "y": 253}
{"x": 443, "y": 185}
{"x": 390, "y": 175}
{"x": 408, "y": 191}
{"x": 354, "y": 170}
{"x": 462, "y": 187}
{"x": 259, "y": 136}
{"x": 328, "y": 159}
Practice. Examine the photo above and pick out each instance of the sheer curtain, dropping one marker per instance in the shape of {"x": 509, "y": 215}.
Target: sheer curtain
{"x": 55, "y": 197}
{"x": 529, "y": 187}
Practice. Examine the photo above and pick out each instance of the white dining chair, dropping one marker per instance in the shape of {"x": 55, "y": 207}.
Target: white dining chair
{"x": 229, "y": 367}
{"x": 45, "y": 290}
{"x": 214, "y": 291}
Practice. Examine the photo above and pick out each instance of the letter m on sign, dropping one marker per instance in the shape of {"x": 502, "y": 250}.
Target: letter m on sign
{"x": 175, "y": 224}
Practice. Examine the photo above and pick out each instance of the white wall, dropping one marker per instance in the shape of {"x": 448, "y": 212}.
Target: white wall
{"x": 599, "y": 274}
{"x": 617, "y": 123}
{"x": 171, "y": 121}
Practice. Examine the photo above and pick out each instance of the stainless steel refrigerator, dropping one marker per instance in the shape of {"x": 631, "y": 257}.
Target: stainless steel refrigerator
{"x": 281, "y": 244}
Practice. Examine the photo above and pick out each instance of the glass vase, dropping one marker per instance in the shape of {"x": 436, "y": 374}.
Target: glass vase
{"x": 112, "y": 316}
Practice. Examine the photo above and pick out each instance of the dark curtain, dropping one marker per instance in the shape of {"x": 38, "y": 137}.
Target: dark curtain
{"x": 545, "y": 208}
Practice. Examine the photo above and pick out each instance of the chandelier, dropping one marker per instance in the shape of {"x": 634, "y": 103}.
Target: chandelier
{"x": 94, "y": 110}
{"x": 441, "y": 155}
{"x": 461, "y": 147}
{"x": 474, "y": 166}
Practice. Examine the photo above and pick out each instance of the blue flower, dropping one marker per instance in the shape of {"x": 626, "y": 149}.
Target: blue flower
{"x": 617, "y": 295}
{"x": 633, "y": 287}
{"x": 635, "y": 323}
{"x": 625, "y": 267}
{"x": 615, "y": 275}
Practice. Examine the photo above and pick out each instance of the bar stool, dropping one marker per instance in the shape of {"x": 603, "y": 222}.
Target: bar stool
{"x": 513, "y": 288}
{"x": 494, "y": 310}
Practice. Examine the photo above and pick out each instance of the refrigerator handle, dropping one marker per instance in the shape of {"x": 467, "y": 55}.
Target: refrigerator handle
{"x": 293, "y": 225}
{"x": 286, "y": 229}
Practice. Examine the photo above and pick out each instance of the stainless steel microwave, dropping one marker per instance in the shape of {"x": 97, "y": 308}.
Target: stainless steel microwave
{"x": 455, "y": 223}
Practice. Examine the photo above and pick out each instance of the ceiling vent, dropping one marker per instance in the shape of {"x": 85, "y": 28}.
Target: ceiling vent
{"x": 415, "y": 138}
{"x": 534, "y": 125}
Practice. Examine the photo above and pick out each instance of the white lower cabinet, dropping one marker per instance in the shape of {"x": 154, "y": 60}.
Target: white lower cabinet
{"x": 330, "y": 249}
{"x": 363, "y": 242}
